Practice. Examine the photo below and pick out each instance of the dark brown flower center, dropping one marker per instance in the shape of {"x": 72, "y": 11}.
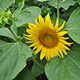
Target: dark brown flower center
{"x": 48, "y": 38}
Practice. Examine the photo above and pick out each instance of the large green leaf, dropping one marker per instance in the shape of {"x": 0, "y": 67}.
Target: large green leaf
{"x": 13, "y": 58}
{"x": 73, "y": 26}
{"x": 64, "y": 69}
{"x": 62, "y": 3}
{"x": 4, "y": 4}
{"x": 28, "y": 15}
{"x": 6, "y": 32}
{"x": 26, "y": 74}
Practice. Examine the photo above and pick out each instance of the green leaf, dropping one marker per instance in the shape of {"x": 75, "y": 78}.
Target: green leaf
{"x": 5, "y": 32}
{"x": 21, "y": 30}
{"x": 73, "y": 26}
{"x": 13, "y": 58}
{"x": 62, "y": 3}
{"x": 28, "y": 15}
{"x": 68, "y": 12}
{"x": 64, "y": 69}
{"x": 76, "y": 47}
{"x": 26, "y": 74}
{"x": 4, "y": 4}
{"x": 37, "y": 70}
{"x": 18, "y": 10}
{"x": 74, "y": 34}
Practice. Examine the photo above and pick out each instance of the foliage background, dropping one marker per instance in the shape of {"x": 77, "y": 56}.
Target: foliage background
{"x": 14, "y": 53}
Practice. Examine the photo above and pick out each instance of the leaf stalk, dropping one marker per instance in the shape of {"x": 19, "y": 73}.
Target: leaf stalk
{"x": 37, "y": 63}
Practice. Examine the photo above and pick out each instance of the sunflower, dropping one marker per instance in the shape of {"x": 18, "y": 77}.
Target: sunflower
{"x": 47, "y": 39}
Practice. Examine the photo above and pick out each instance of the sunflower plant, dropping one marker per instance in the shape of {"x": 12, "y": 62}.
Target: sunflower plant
{"x": 39, "y": 40}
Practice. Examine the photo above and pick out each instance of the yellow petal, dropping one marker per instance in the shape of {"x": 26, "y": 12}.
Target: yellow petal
{"x": 57, "y": 23}
{"x": 31, "y": 38}
{"x": 39, "y": 25}
{"x": 25, "y": 35}
{"x": 63, "y": 46}
{"x": 60, "y": 54}
{"x": 51, "y": 26}
{"x": 65, "y": 52}
{"x": 29, "y": 24}
{"x": 62, "y": 49}
{"x": 29, "y": 41}
{"x": 63, "y": 37}
{"x": 64, "y": 42}
{"x": 47, "y": 56}
{"x": 56, "y": 51}
{"x": 60, "y": 28}
{"x": 47, "y": 21}
{"x": 33, "y": 27}
{"x": 62, "y": 33}
{"x": 34, "y": 39}
{"x": 38, "y": 49}
{"x": 43, "y": 53}
{"x": 34, "y": 44}
{"x": 35, "y": 32}
{"x": 41, "y": 21}
{"x": 27, "y": 38}
{"x": 53, "y": 52}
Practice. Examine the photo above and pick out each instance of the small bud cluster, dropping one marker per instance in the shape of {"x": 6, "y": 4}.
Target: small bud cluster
{"x": 6, "y": 18}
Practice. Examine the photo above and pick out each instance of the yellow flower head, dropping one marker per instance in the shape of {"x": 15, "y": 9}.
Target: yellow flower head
{"x": 47, "y": 39}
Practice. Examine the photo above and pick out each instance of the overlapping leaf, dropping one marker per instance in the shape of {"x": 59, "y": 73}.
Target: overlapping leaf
{"x": 13, "y": 58}
{"x": 6, "y": 32}
{"x": 67, "y": 68}
{"x": 62, "y": 3}
{"x": 64, "y": 69}
{"x": 73, "y": 26}
{"x": 4, "y": 4}
{"x": 28, "y": 15}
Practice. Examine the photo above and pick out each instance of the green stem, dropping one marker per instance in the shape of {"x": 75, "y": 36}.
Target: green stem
{"x": 37, "y": 63}
{"x": 58, "y": 9}
{"x": 12, "y": 32}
